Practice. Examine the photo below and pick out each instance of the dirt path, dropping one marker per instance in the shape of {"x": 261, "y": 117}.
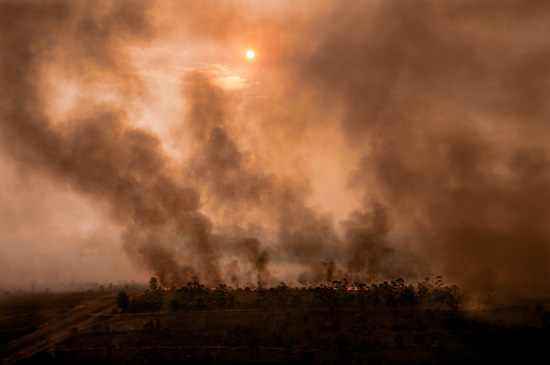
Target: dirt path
{"x": 57, "y": 330}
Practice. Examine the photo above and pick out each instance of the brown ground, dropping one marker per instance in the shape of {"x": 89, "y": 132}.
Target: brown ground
{"x": 293, "y": 335}
{"x": 49, "y": 327}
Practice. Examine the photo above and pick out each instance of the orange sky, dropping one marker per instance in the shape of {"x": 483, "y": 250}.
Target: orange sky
{"x": 370, "y": 140}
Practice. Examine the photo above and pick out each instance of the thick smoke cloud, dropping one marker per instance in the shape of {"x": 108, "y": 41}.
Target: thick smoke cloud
{"x": 97, "y": 153}
{"x": 240, "y": 186}
{"x": 447, "y": 103}
{"x": 435, "y": 113}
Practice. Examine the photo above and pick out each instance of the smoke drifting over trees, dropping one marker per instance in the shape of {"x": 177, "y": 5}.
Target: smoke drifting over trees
{"x": 372, "y": 140}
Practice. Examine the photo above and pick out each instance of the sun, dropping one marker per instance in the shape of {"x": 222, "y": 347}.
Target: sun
{"x": 250, "y": 54}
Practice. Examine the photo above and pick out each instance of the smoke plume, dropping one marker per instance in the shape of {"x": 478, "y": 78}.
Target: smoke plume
{"x": 367, "y": 140}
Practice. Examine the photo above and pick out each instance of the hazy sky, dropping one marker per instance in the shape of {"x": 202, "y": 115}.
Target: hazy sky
{"x": 367, "y": 139}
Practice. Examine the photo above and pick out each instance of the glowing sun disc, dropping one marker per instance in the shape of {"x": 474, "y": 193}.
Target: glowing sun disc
{"x": 250, "y": 54}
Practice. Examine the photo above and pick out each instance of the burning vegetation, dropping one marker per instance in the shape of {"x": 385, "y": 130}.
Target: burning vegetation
{"x": 339, "y": 294}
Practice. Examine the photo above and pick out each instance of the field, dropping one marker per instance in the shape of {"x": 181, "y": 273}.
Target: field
{"x": 270, "y": 326}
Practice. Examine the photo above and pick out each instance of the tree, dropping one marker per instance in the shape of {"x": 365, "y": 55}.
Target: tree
{"x": 122, "y": 300}
{"x": 153, "y": 284}
{"x": 154, "y": 296}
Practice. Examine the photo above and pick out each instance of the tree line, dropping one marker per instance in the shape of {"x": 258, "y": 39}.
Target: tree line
{"x": 340, "y": 294}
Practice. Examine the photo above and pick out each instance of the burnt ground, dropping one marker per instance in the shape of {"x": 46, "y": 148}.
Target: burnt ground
{"x": 297, "y": 335}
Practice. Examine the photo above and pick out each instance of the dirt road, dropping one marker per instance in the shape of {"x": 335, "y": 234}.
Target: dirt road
{"x": 54, "y": 331}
